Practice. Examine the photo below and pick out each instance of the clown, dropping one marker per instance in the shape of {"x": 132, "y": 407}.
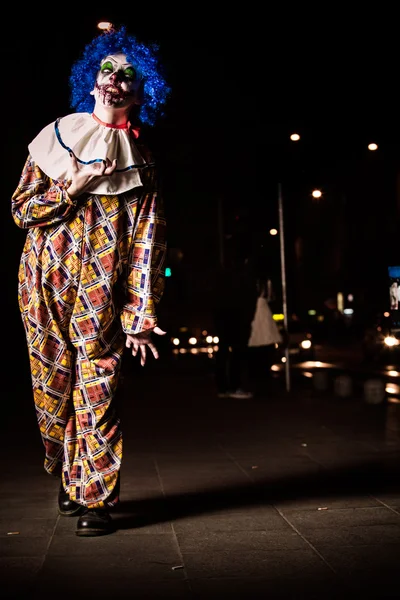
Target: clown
{"x": 91, "y": 272}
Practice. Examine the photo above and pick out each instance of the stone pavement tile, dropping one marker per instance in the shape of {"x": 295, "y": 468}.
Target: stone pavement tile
{"x": 335, "y": 537}
{"x": 203, "y": 483}
{"x": 26, "y": 527}
{"x": 85, "y": 582}
{"x": 239, "y": 542}
{"x": 17, "y": 576}
{"x": 110, "y": 570}
{"x": 140, "y": 484}
{"x": 265, "y": 520}
{"x": 15, "y": 545}
{"x": 198, "y": 468}
{"x": 146, "y": 555}
{"x": 255, "y": 563}
{"x": 304, "y": 520}
{"x": 19, "y": 483}
{"x": 25, "y": 536}
{"x": 371, "y": 569}
{"x": 311, "y": 587}
{"x": 316, "y": 502}
{"x": 198, "y": 457}
{"x": 33, "y": 497}
{"x": 392, "y": 499}
{"x": 340, "y": 454}
{"x": 285, "y": 477}
{"x": 36, "y": 510}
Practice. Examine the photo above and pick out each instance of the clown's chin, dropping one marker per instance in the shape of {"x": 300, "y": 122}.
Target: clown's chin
{"x": 112, "y": 99}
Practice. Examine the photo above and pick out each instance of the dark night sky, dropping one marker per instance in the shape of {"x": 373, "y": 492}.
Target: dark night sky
{"x": 241, "y": 83}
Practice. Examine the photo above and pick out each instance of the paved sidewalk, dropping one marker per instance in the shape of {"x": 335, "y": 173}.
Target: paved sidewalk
{"x": 282, "y": 496}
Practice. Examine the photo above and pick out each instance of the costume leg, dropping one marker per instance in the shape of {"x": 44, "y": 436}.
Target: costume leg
{"x": 51, "y": 373}
{"x": 93, "y": 438}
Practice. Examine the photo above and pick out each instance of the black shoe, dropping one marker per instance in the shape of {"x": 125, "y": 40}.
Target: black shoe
{"x": 94, "y": 521}
{"x": 66, "y": 506}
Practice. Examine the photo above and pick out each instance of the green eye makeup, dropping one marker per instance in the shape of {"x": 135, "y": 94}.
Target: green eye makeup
{"x": 107, "y": 66}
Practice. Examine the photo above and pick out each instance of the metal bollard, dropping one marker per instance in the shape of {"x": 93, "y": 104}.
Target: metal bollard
{"x": 343, "y": 386}
{"x": 374, "y": 391}
{"x": 320, "y": 381}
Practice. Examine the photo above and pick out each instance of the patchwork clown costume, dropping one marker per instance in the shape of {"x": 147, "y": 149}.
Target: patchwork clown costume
{"x": 91, "y": 270}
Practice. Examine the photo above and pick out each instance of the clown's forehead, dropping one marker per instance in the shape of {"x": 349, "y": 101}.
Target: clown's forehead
{"x": 118, "y": 60}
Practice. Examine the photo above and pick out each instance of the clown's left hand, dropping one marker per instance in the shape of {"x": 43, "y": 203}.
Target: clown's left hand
{"x": 141, "y": 340}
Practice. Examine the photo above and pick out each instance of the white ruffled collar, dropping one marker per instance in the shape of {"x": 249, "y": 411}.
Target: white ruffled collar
{"x": 91, "y": 141}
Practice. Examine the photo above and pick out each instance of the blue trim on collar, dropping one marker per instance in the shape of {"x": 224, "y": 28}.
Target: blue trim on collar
{"x": 90, "y": 162}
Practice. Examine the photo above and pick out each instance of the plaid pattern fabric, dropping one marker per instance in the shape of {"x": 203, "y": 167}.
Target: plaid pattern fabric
{"x": 88, "y": 271}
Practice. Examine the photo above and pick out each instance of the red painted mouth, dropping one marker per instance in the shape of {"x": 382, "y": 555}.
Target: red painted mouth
{"x": 113, "y": 90}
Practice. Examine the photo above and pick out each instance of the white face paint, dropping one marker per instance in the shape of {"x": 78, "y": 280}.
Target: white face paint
{"x": 117, "y": 84}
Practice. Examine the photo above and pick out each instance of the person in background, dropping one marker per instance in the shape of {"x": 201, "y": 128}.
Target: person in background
{"x": 264, "y": 335}
{"x": 235, "y": 301}
{"x": 91, "y": 273}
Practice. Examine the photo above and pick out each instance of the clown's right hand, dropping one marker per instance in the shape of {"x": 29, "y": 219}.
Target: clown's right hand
{"x": 82, "y": 176}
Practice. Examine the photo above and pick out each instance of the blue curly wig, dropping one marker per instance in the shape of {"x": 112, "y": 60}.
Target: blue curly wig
{"x": 143, "y": 58}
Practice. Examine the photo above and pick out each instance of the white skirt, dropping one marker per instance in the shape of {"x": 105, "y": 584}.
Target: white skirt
{"x": 264, "y": 330}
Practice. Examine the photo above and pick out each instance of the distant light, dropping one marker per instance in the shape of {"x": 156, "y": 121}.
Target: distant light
{"x": 295, "y": 137}
{"x": 194, "y": 350}
{"x": 306, "y": 344}
{"x": 175, "y": 341}
{"x": 273, "y": 231}
{"x": 215, "y": 339}
{"x": 204, "y": 332}
{"x": 283, "y": 359}
{"x": 312, "y": 312}
{"x": 104, "y": 25}
{"x": 192, "y": 341}
{"x": 309, "y": 364}
{"x": 386, "y": 314}
{"x": 392, "y": 388}
{"x": 320, "y": 318}
{"x": 390, "y": 341}
{"x": 278, "y": 317}
{"x": 209, "y": 339}
{"x": 372, "y": 146}
{"x": 350, "y": 297}
{"x": 393, "y": 399}
{"x": 308, "y": 374}
{"x": 393, "y": 373}
{"x": 340, "y": 302}
{"x": 316, "y": 193}
{"x": 348, "y": 311}
{"x": 168, "y": 272}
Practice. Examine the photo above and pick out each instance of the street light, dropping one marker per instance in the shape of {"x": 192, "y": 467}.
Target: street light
{"x": 104, "y": 25}
{"x": 372, "y": 146}
{"x": 295, "y": 137}
{"x": 273, "y": 232}
{"x": 316, "y": 193}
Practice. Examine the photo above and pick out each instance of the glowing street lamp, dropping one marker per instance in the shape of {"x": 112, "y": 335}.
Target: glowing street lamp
{"x": 316, "y": 193}
{"x": 373, "y": 146}
{"x": 273, "y": 232}
{"x": 295, "y": 137}
{"x": 104, "y": 25}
